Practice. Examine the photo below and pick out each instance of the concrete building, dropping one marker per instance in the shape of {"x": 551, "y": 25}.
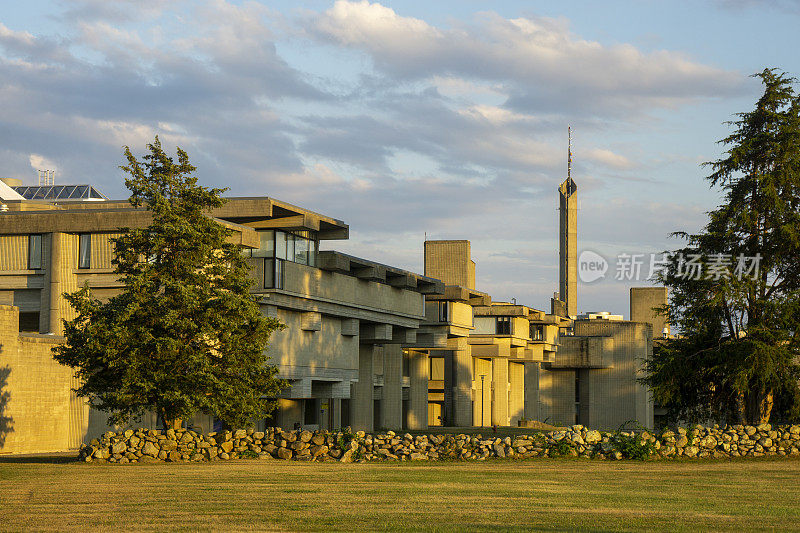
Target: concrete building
{"x": 593, "y": 381}
{"x": 350, "y": 352}
{"x": 488, "y": 373}
{"x": 645, "y": 303}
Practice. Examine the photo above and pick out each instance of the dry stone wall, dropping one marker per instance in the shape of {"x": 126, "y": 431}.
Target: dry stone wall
{"x": 698, "y": 442}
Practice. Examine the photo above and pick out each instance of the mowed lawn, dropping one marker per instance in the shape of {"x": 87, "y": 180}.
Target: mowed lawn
{"x": 560, "y": 494}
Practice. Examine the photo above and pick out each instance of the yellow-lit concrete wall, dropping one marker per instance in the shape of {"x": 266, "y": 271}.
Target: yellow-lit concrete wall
{"x": 13, "y": 252}
{"x": 520, "y": 327}
{"x": 38, "y": 411}
{"x": 449, "y": 261}
{"x": 516, "y": 399}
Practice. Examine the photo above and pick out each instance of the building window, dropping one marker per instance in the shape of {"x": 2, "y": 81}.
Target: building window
{"x": 267, "y": 245}
{"x": 299, "y": 247}
{"x": 444, "y": 314}
{"x": 503, "y": 325}
{"x": 34, "y": 252}
{"x": 310, "y": 414}
{"x": 274, "y": 273}
{"x": 29, "y": 321}
{"x": 537, "y": 332}
{"x": 85, "y": 250}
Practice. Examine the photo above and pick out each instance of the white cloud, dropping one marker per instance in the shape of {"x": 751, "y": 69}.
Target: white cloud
{"x": 39, "y": 162}
{"x": 543, "y": 61}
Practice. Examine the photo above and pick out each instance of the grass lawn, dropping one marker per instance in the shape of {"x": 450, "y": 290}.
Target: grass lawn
{"x": 561, "y": 495}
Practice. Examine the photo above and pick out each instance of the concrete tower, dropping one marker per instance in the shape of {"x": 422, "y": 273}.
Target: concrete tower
{"x": 568, "y": 238}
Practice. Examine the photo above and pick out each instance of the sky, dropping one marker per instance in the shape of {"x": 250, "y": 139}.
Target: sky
{"x": 443, "y": 119}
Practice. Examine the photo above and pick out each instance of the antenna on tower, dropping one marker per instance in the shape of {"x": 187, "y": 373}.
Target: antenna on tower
{"x": 569, "y": 152}
{"x": 47, "y": 177}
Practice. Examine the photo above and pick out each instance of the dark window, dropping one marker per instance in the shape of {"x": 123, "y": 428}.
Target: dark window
{"x": 274, "y": 273}
{"x": 34, "y": 252}
{"x": 29, "y": 322}
{"x": 503, "y": 325}
{"x": 444, "y": 314}
{"x": 537, "y": 332}
{"x": 310, "y": 414}
{"x": 85, "y": 250}
{"x": 377, "y": 415}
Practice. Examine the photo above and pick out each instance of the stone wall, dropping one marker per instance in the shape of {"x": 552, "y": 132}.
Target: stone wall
{"x": 150, "y": 445}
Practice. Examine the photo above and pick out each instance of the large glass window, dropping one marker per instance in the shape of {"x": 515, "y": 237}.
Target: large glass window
{"x": 280, "y": 245}
{"x": 297, "y": 248}
{"x": 34, "y": 252}
{"x": 267, "y": 246}
{"x": 85, "y": 250}
{"x": 301, "y": 250}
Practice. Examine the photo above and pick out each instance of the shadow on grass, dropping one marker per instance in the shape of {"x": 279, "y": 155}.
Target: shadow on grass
{"x": 41, "y": 458}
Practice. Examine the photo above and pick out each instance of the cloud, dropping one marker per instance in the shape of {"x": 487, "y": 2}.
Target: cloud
{"x": 542, "y": 62}
{"x": 41, "y": 163}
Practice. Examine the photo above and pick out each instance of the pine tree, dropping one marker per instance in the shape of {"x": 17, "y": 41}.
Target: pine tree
{"x": 184, "y": 335}
{"x": 737, "y": 354}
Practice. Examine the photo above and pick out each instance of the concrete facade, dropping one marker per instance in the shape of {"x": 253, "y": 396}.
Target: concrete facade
{"x": 488, "y": 373}
{"x": 350, "y": 350}
{"x": 593, "y": 381}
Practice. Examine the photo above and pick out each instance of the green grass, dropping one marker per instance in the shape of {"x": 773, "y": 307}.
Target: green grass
{"x": 558, "y": 495}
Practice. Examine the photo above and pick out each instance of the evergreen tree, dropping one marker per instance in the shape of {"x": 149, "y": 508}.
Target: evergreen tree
{"x": 736, "y": 358}
{"x": 184, "y": 335}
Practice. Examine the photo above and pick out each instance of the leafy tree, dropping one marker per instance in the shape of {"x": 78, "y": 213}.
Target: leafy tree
{"x": 736, "y": 358}
{"x": 184, "y": 335}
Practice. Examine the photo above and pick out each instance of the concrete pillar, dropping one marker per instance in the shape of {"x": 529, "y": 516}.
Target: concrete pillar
{"x": 458, "y": 369}
{"x": 532, "y": 391}
{"x": 500, "y": 391}
{"x": 336, "y": 405}
{"x": 568, "y": 245}
{"x": 361, "y": 401}
{"x": 393, "y": 386}
{"x": 516, "y": 379}
{"x": 54, "y": 274}
{"x": 418, "y": 391}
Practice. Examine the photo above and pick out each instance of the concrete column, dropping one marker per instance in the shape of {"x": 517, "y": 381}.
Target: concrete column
{"x": 500, "y": 392}
{"x": 393, "y": 386}
{"x": 532, "y": 391}
{"x": 418, "y": 391}
{"x": 336, "y": 405}
{"x": 361, "y": 402}
{"x": 54, "y": 273}
{"x": 460, "y": 374}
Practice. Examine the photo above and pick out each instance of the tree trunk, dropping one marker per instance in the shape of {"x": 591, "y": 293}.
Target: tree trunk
{"x": 174, "y": 424}
{"x": 759, "y": 407}
{"x": 741, "y": 408}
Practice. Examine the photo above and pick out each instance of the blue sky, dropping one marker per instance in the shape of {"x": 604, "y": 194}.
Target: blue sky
{"x": 405, "y": 118}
